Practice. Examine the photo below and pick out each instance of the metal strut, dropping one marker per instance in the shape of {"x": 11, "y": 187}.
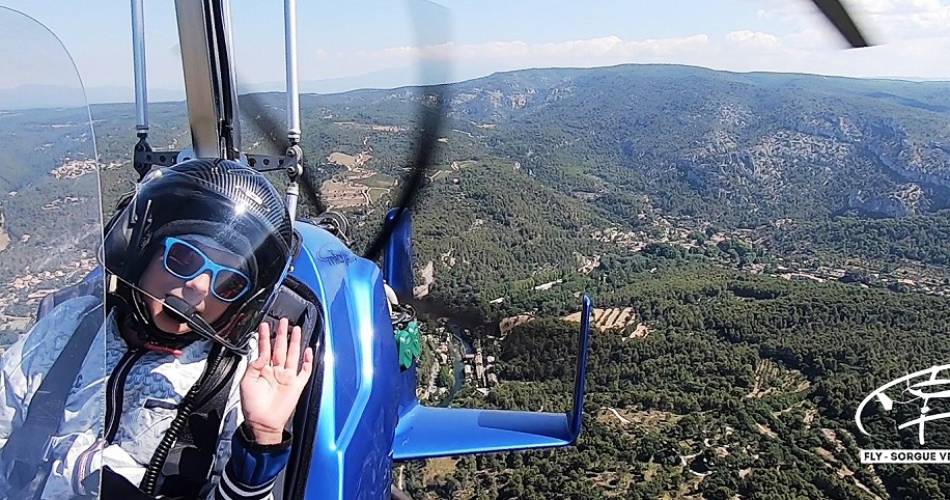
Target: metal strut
{"x": 141, "y": 89}
{"x": 293, "y": 106}
{"x": 206, "y": 50}
{"x": 205, "y": 39}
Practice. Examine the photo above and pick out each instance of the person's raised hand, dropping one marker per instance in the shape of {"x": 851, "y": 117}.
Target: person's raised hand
{"x": 272, "y": 384}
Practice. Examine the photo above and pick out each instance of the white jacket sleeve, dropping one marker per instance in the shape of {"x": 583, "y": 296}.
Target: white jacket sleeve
{"x": 13, "y": 388}
{"x": 23, "y": 365}
{"x": 22, "y": 369}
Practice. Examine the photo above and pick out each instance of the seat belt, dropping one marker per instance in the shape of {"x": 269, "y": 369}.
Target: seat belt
{"x": 24, "y": 452}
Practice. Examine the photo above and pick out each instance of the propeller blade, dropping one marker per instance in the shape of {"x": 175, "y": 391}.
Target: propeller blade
{"x": 312, "y": 193}
{"x": 272, "y": 127}
{"x": 265, "y": 120}
{"x": 431, "y": 22}
{"x": 836, "y": 13}
{"x": 426, "y": 142}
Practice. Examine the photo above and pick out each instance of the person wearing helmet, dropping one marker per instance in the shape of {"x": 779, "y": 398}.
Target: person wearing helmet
{"x": 193, "y": 261}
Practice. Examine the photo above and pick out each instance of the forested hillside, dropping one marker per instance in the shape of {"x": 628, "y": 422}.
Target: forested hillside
{"x": 765, "y": 250}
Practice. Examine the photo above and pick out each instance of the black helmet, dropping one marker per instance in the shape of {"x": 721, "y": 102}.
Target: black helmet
{"x": 221, "y": 202}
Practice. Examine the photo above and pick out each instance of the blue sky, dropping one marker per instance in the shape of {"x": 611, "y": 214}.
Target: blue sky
{"x": 352, "y": 39}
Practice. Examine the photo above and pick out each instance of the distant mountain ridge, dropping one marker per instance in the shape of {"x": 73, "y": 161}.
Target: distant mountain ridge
{"x": 747, "y": 139}
{"x": 747, "y": 147}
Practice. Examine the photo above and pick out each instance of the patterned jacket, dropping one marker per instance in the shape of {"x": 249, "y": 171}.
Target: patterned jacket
{"x": 146, "y": 390}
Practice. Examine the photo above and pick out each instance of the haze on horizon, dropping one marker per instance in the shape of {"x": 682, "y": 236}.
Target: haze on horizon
{"x": 372, "y": 43}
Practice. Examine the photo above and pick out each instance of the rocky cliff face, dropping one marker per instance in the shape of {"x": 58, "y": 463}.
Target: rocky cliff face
{"x": 787, "y": 145}
{"x": 4, "y": 237}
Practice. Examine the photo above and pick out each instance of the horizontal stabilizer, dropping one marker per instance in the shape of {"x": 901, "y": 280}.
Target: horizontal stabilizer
{"x": 427, "y": 432}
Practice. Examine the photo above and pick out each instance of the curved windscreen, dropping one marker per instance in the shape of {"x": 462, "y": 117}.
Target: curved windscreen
{"x": 50, "y": 291}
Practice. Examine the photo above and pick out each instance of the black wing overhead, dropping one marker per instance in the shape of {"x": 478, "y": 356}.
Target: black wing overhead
{"x": 836, "y": 13}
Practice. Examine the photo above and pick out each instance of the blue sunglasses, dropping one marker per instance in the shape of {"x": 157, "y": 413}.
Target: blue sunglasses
{"x": 186, "y": 261}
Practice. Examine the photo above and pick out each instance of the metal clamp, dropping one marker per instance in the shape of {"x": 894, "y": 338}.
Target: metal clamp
{"x": 149, "y": 158}
{"x": 270, "y": 163}
{"x": 259, "y": 162}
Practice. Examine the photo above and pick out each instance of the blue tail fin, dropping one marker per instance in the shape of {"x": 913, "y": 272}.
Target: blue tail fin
{"x": 425, "y": 432}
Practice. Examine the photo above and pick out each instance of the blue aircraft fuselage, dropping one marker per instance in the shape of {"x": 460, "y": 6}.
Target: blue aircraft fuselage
{"x": 362, "y": 381}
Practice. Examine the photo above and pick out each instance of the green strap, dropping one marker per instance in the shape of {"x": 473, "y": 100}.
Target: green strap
{"x": 409, "y": 343}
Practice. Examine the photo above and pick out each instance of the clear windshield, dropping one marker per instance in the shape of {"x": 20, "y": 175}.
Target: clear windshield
{"x": 50, "y": 229}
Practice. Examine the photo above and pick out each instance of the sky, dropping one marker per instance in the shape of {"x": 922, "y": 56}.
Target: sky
{"x": 374, "y": 42}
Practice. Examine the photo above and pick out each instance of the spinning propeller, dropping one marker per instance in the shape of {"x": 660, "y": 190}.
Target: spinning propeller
{"x": 430, "y": 23}
{"x": 838, "y": 16}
